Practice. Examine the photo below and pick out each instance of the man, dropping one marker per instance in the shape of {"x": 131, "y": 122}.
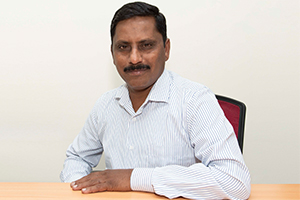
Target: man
{"x": 160, "y": 132}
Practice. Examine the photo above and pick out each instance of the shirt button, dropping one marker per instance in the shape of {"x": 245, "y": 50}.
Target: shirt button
{"x": 133, "y": 119}
{"x": 131, "y": 147}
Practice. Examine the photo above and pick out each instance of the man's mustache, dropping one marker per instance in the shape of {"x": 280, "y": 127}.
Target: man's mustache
{"x": 134, "y": 67}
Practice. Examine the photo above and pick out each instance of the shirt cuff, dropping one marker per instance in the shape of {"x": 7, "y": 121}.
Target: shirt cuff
{"x": 71, "y": 177}
{"x": 140, "y": 179}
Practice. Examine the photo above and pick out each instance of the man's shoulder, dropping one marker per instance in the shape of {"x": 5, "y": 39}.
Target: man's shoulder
{"x": 185, "y": 85}
{"x": 189, "y": 92}
{"x": 108, "y": 97}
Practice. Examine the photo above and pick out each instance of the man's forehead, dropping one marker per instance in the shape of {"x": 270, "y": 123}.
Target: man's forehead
{"x": 136, "y": 22}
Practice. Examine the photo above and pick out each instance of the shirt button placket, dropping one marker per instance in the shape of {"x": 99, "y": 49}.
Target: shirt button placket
{"x": 130, "y": 145}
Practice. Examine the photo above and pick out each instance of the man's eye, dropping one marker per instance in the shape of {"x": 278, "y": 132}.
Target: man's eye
{"x": 122, "y": 47}
{"x": 147, "y": 45}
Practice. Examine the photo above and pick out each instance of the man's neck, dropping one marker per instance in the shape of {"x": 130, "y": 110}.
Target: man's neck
{"x": 138, "y": 97}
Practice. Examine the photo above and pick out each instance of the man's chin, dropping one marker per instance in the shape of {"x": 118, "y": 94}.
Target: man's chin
{"x": 139, "y": 87}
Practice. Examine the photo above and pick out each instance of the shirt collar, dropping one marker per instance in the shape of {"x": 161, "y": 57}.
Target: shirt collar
{"x": 160, "y": 90}
{"x": 122, "y": 95}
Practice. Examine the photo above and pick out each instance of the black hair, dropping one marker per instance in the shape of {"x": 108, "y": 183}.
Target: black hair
{"x": 139, "y": 9}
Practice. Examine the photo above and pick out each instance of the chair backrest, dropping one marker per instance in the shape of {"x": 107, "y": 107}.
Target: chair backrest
{"x": 235, "y": 112}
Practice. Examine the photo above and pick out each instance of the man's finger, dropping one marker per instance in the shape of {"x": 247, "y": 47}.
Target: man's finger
{"x": 74, "y": 186}
{"x": 94, "y": 188}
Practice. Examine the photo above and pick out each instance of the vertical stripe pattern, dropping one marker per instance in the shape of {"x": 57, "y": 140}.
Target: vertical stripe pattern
{"x": 178, "y": 142}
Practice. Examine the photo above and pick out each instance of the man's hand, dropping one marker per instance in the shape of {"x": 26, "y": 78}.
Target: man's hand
{"x": 107, "y": 180}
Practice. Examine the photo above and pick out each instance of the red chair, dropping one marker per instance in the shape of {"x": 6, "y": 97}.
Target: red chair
{"x": 235, "y": 112}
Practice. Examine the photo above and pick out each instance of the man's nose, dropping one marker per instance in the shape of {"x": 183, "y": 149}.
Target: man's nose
{"x": 135, "y": 56}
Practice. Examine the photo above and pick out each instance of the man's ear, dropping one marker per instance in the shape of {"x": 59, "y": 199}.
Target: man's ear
{"x": 167, "y": 49}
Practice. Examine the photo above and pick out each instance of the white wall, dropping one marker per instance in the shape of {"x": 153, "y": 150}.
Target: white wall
{"x": 55, "y": 62}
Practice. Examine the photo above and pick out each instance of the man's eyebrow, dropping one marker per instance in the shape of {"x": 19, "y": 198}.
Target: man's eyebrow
{"x": 147, "y": 40}
{"x": 122, "y": 42}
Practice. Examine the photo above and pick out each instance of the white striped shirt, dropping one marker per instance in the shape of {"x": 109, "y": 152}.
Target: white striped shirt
{"x": 179, "y": 142}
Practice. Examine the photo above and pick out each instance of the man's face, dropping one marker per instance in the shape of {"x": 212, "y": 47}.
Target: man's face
{"x": 138, "y": 44}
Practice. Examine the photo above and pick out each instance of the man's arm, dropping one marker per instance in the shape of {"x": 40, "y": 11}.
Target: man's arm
{"x": 85, "y": 151}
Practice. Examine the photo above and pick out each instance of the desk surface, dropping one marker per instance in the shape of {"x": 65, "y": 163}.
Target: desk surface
{"x": 62, "y": 191}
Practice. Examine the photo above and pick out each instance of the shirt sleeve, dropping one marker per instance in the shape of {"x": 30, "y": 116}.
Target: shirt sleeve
{"x": 222, "y": 173}
{"x": 85, "y": 151}
{"x": 140, "y": 179}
